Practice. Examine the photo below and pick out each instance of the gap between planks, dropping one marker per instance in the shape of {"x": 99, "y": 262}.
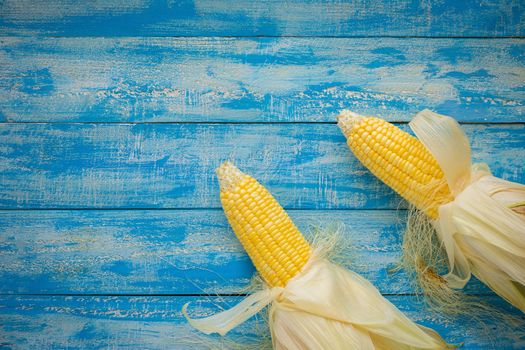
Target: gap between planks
{"x": 488, "y": 294}
{"x": 230, "y": 123}
{"x": 425, "y": 37}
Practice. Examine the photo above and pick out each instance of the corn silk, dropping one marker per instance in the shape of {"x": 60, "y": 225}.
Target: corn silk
{"x": 326, "y": 306}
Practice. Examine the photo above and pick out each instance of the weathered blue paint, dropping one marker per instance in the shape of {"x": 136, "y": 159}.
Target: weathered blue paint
{"x": 490, "y": 18}
{"x": 172, "y": 251}
{"x": 258, "y": 79}
{"x": 84, "y": 322}
{"x": 172, "y": 165}
{"x": 131, "y": 72}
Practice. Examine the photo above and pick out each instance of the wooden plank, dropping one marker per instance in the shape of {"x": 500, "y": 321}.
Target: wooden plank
{"x": 306, "y": 166}
{"x": 258, "y": 79}
{"x": 173, "y": 251}
{"x": 491, "y": 18}
{"x": 57, "y": 322}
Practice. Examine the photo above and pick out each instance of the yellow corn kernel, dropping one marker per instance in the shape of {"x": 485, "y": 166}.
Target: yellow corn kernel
{"x": 277, "y": 248}
{"x": 398, "y": 159}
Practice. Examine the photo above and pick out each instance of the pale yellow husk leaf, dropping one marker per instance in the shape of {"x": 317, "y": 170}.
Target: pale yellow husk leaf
{"x": 326, "y": 307}
{"x": 480, "y": 229}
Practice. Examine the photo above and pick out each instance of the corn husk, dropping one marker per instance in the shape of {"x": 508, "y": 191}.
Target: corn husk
{"x": 325, "y": 306}
{"x": 482, "y": 229}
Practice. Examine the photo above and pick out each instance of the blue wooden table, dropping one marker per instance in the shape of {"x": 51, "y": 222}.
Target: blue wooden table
{"x": 114, "y": 115}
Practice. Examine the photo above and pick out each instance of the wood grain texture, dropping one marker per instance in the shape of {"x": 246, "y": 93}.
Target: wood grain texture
{"x": 490, "y": 18}
{"x": 173, "y": 251}
{"x": 172, "y": 166}
{"x": 57, "y": 322}
{"x": 98, "y": 105}
{"x": 258, "y": 79}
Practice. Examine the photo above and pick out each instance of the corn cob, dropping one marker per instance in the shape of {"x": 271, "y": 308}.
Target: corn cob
{"x": 398, "y": 159}
{"x": 329, "y": 297}
{"x": 276, "y": 247}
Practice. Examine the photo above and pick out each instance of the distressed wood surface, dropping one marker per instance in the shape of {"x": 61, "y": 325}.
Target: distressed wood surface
{"x": 114, "y": 115}
{"x": 489, "y": 18}
{"x": 306, "y": 166}
{"x": 101, "y": 322}
{"x": 258, "y": 79}
{"x": 174, "y": 251}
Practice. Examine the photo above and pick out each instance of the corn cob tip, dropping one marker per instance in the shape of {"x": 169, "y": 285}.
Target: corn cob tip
{"x": 275, "y": 245}
{"x": 346, "y": 121}
{"x": 229, "y": 176}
